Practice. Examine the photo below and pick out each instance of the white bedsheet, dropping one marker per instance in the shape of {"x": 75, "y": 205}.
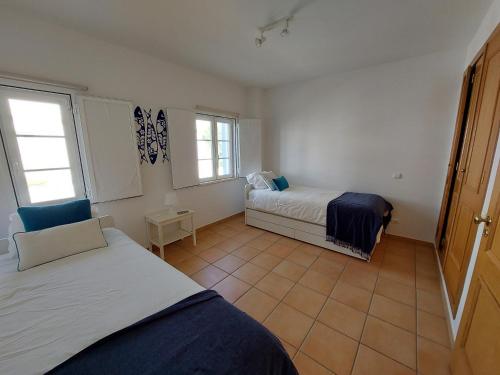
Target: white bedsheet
{"x": 297, "y": 202}
{"x": 53, "y": 311}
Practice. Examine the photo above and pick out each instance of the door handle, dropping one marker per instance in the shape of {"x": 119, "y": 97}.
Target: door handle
{"x": 479, "y": 219}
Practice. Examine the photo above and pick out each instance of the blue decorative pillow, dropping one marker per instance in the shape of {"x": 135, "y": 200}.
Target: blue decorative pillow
{"x": 281, "y": 183}
{"x": 41, "y": 217}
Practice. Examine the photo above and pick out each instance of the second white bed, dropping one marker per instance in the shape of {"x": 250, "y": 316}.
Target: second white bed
{"x": 298, "y": 202}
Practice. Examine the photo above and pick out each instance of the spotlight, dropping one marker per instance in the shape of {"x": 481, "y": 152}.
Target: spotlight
{"x": 260, "y": 40}
{"x": 285, "y": 31}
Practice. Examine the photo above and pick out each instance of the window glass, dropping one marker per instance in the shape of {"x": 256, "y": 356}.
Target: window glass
{"x": 36, "y": 118}
{"x": 41, "y": 145}
{"x": 215, "y": 144}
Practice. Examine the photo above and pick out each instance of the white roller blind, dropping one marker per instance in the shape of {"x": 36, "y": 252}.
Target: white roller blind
{"x": 183, "y": 153}
{"x": 110, "y": 146}
{"x": 250, "y": 146}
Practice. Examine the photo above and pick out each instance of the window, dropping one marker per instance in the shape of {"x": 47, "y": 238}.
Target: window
{"x": 42, "y": 151}
{"x": 215, "y": 144}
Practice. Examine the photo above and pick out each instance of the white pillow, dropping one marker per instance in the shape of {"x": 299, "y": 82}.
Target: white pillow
{"x": 267, "y": 177}
{"x": 46, "y": 245}
{"x": 256, "y": 180}
{"x": 15, "y": 225}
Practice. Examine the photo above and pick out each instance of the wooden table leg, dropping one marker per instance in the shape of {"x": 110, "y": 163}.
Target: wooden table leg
{"x": 160, "y": 240}
{"x": 193, "y": 230}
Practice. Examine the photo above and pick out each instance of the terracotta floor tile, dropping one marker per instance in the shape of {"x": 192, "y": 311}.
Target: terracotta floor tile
{"x": 250, "y": 273}
{"x": 256, "y": 304}
{"x": 310, "y": 249}
{"x": 432, "y": 358}
{"x": 191, "y": 265}
{"x": 429, "y": 284}
{"x": 317, "y": 281}
{"x": 260, "y": 243}
{"x": 176, "y": 255}
{"x": 209, "y": 276}
{"x": 430, "y": 302}
{"x": 275, "y": 285}
{"x": 307, "y": 366}
{"x": 246, "y": 252}
{"x": 231, "y": 288}
{"x": 291, "y": 350}
{"x": 305, "y": 300}
{"x": 335, "y": 257}
{"x": 352, "y": 296}
{"x": 290, "y": 242}
{"x": 269, "y": 236}
{"x": 229, "y": 245}
{"x": 243, "y": 237}
{"x": 343, "y": 318}
{"x": 279, "y": 250}
{"x": 301, "y": 257}
{"x": 433, "y": 328}
{"x": 427, "y": 270}
{"x": 266, "y": 261}
{"x": 359, "y": 278}
{"x": 290, "y": 270}
{"x": 369, "y": 362}
{"x": 397, "y": 275}
{"x": 328, "y": 268}
{"x": 289, "y": 324}
{"x": 393, "y": 312}
{"x": 229, "y": 263}
{"x": 391, "y": 341}
{"x": 330, "y": 348}
{"x": 396, "y": 291}
{"x": 212, "y": 254}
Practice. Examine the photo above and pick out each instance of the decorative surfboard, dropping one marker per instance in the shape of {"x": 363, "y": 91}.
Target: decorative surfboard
{"x": 151, "y": 138}
{"x": 161, "y": 132}
{"x": 140, "y": 132}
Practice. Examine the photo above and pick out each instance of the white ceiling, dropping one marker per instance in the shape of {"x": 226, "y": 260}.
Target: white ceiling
{"x": 217, "y": 36}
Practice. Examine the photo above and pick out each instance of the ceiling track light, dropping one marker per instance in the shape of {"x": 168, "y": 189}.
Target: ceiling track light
{"x": 285, "y": 31}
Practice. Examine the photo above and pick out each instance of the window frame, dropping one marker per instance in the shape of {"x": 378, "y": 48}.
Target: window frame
{"x": 13, "y": 153}
{"x": 213, "y": 119}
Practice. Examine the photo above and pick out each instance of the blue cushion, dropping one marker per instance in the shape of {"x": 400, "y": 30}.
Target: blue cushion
{"x": 41, "y": 217}
{"x": 281, "y": 183}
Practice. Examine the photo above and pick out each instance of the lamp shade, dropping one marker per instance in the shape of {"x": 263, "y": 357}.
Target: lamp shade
{"x": 171, "y": 199}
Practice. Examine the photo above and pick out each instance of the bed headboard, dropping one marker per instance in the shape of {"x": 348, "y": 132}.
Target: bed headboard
{"x": 106, "y": 221}
{"x": 248, "y": 187}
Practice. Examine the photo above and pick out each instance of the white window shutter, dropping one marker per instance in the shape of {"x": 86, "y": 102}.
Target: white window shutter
{"x": 183, "y": 152}
{"x": 110, "y": 149}
{"x": 250, "y": 146}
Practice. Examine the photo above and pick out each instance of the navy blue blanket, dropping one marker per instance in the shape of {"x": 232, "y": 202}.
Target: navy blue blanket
{"x": 353, "y": 220}
{"x": 203, "y": 334}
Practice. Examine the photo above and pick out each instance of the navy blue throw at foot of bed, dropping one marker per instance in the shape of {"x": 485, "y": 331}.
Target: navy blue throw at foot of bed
{"x": 353, "y": 220}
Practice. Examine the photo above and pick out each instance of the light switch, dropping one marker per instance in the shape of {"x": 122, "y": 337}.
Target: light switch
{"x": 397, "y": 175}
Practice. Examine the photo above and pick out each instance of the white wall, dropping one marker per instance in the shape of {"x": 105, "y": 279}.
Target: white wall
{"x": 353, "y": 131}
{"x": 487, "y": 27}
{"x": 30, "y": 46}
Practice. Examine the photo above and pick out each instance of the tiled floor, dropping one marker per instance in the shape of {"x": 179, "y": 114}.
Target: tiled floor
{"x": 334, "y": 314}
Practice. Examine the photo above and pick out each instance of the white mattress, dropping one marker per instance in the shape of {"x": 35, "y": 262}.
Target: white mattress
{"x": 53, "y": 311}
{"x": 297, "y": 202}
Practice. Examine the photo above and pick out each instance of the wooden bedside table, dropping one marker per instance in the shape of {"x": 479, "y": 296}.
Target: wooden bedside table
{"x": 155, "y": 228}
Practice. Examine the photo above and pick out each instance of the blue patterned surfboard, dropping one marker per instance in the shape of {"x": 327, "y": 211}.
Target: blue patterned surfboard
{"x": 140, "y": 133}
{"x": 161, "y": 132}
{"x": 151, "y": 139}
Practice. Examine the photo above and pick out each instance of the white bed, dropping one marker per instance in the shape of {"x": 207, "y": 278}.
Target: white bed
{"x": 298, "y": 212}
{"x": 53, "y": 311}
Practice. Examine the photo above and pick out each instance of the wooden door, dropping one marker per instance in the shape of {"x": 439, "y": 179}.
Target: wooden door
{"x": 474, "y": 171}
{"x": 456, "y": 151}
{"x": 477, "y": 347}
